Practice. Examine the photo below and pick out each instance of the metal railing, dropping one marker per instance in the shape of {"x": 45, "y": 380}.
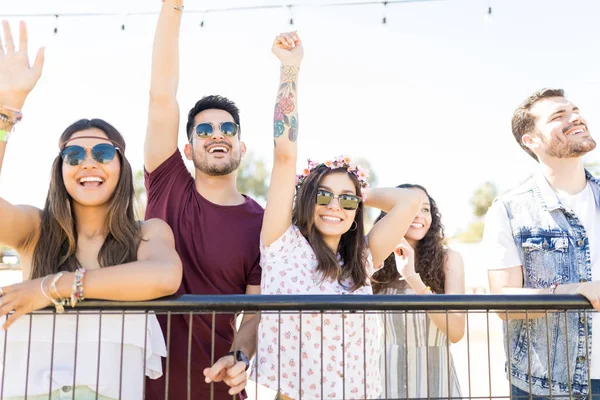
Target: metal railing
{"x": 46, "y": 341}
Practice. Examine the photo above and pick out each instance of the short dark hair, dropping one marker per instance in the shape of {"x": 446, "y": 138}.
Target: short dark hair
{"x": 523, "y": 122}
{"x": 209, "y": 103}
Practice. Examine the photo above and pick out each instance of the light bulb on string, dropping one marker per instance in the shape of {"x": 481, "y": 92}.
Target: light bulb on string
{"x": 488, "y": 14}
{"x": 202, "y": 20}
{"x": 123, "y": 22}
{"x": 56, "y": 24}
{"x": 291, "y": 14}
{"x": 384, "y": 19}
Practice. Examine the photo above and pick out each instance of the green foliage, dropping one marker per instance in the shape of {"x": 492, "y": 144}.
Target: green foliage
{"x": 482, "y": 198}
{"x": 253, "y": 177}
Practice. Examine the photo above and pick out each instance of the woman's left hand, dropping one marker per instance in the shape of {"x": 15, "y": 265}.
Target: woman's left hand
{"x": 23, "y": 298}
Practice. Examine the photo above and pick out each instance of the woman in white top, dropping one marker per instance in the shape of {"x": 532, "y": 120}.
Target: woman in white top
{"x": 315, "y": 244}
{"x": 84, "y": 243}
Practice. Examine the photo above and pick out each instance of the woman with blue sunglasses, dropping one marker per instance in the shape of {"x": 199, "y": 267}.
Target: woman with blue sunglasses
{"x": 313, "y": 242}
{"x": 84, "y": 243}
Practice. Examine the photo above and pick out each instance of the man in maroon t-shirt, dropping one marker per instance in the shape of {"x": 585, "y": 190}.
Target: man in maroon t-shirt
{"x": 216, "y": 228}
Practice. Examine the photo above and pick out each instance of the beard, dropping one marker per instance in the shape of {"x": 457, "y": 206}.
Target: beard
{"x": 202, "y": 164}
{"x": 569, "y": 149}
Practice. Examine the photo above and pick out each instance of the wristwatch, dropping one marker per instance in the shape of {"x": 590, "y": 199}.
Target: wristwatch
{"x": 240, "y": 356}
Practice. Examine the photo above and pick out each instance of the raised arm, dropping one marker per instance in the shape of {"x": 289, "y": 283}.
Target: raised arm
{"x": 17, "y": 79}
{"x": 163, "y": 111}
{"x": 278, "y": 214}
{"x": 401, "y": 206}
{"x": 156, "y": 273}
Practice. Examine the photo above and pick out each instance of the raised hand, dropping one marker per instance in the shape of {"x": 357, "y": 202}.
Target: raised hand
{"x": 288, "y": 48}
{"x": 405, "y": 259}
{"x": 17, "y": 77}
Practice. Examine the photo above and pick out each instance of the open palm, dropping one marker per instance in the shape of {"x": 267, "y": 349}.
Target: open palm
{"x": 17, "y": 77}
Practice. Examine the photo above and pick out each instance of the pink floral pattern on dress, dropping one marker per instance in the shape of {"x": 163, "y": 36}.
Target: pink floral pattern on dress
{"x": 288, "y": 357}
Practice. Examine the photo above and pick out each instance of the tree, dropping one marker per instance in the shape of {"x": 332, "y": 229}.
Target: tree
{"x": 253, "y": 178}
{"x": 481, "y": 200}
{"x": 139, "y": 203}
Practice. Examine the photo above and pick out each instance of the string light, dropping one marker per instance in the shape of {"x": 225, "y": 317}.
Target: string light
{"x": 222, "y": 10}
{"x": 291, "y": 14}
{"x": 488, "y": 14}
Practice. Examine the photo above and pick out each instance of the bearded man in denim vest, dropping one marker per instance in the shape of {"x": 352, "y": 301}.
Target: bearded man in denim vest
{"x": 544, "y": 238}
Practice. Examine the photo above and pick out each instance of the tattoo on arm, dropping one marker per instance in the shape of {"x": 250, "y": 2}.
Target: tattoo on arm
{"x": 286, "y": 114}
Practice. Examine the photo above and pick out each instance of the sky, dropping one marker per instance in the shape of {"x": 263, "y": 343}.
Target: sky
{"x": 427, "y": 98}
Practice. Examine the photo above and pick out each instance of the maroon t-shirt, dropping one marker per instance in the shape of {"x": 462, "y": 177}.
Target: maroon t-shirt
{"x": 219, "y": 249}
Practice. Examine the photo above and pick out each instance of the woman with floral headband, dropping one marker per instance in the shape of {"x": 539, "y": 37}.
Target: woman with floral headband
{"x": 315, "y": 244}
{"x": 84, "y": 243}
{"x": 418, "y": 362}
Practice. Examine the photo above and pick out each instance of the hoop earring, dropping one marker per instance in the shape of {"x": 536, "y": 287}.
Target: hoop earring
{"x": 355, "y": 226}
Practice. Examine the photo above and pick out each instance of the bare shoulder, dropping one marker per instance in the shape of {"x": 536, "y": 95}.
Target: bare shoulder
{"x": 155, "y": 228}
{"x": 454, "y": 261}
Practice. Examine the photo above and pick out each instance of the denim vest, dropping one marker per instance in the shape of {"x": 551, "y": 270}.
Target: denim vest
{"x": 554, "y": 248}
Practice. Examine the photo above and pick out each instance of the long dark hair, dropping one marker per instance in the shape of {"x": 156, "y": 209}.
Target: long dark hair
{"x": 57, "y": 237}
{"x": 352, "y": 246}
{"x": 430, "y": 255}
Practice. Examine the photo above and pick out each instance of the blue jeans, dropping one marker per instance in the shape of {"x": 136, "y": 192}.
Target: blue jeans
{"x": 518, "y": 394}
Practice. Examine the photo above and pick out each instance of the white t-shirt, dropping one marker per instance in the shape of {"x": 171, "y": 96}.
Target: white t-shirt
{"x": 503, "y": 252}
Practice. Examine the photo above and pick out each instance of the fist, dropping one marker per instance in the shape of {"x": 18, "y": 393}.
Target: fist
{"x": 288, "y": 48}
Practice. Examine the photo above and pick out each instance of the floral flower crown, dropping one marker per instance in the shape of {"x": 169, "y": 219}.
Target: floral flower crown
{"x": 337, "y": 163}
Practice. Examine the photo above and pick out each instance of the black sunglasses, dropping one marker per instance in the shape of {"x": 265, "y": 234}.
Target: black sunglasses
{"x": 102, "y": 152}
{"x": 206, "y": 129}
{"x": 347, "y": 201}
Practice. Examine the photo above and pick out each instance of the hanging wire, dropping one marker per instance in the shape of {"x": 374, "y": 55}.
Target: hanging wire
{"x": 215, "y": 10}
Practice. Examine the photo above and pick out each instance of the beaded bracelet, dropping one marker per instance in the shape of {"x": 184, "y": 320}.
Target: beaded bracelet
{"x": 10, "y": 115}
{"x": 77, "y": 289}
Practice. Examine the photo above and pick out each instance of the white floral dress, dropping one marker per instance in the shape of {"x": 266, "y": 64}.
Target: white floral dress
{"x": 333, "y": 355}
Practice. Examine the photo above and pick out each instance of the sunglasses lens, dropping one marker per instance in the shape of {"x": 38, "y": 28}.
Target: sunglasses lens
{"x": 349, "y": 202}
{"x": 104, "y": 152}
{"x": 204, "y": 130}
{"x": 323, "y": 197}
{"x": 73, "y": 155}
{"x": 229, "y": 128}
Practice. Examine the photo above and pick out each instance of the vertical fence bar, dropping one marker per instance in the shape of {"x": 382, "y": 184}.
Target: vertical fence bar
{"x": 385, "y": 354}
{"x": 487, "y": 324}
{"x": 568, "y": 356}
{"x": 406, "y": 380}
{"x": 29, "y": 357}
{"x": 448, "y": 353}
{"x": 279, "y": 351}
{"x": 468, "y": 356}
{"x": 168, "y": 363}
{"x": 427, "y": 325}
{"x": 549, "y": 358}
{"x": 121, "y": 355}
{"x": 99, "y": 352}
{"x": 75, "y": 355}
{"x": 212, "y": 354}
{"x": 322, "y": 354}
{"x": 145, "y": 354}
{"x": 365, "y": 352}
{"x": 587, "y": 354}
{"x": 508, "y": 357}
{"x": 527, "y": 335}
{"x": 4, "y": 362}
{"x": 343, "y": 355}
{"x": 235, "y": 338}
{"x": 300, "y": 362}
{"x": 189, "y": 355}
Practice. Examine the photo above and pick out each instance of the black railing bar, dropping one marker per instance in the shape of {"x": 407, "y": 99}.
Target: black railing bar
{"x": 235, "y": 303}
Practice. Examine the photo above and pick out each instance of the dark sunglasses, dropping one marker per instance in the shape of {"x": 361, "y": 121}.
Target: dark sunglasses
{"x": 206, "y": 129}
{"x": 102, "y": 152}
{"x": 347, "y": 201}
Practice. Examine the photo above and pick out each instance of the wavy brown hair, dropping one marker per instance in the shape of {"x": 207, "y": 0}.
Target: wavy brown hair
{"x": 430, "y": 255}
{"x": 352, "y": 247}
{"x": 57, "y": 237}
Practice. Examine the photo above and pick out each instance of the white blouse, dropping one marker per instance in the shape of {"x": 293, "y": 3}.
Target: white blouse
{"x": 45, "y": 355}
